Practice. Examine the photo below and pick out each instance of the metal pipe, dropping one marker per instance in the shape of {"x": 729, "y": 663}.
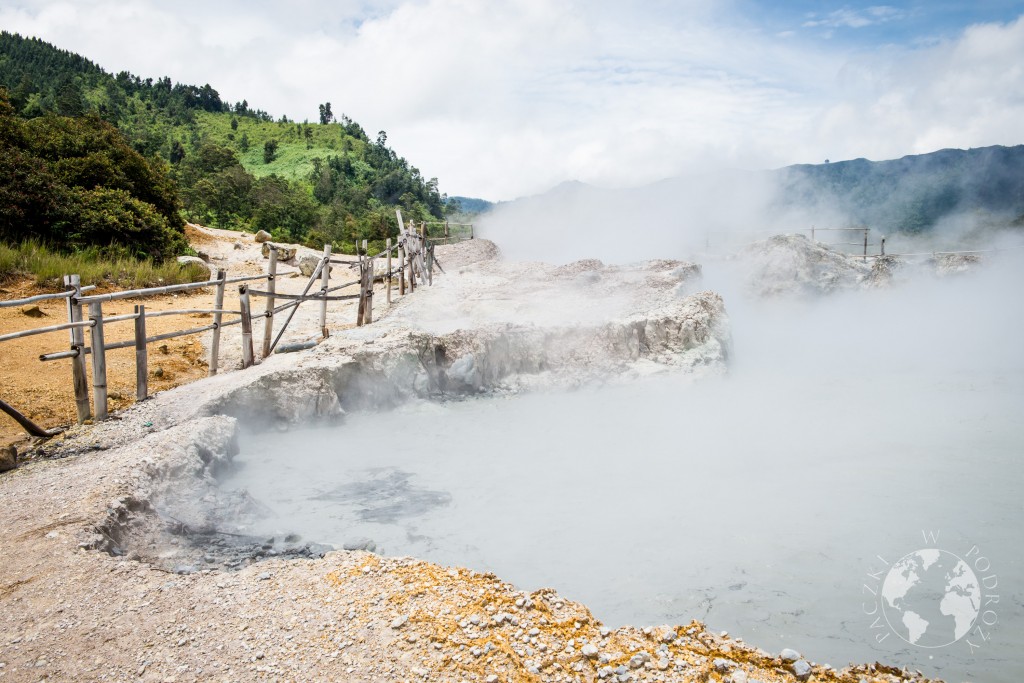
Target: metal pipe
{"x": 28, "y": 425}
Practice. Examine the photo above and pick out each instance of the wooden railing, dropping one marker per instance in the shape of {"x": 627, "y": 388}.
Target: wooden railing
{"x": 416, "y": 261}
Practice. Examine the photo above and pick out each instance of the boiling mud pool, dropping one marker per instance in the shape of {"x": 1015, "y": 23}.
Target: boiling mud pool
{"x": 784, "y": 502}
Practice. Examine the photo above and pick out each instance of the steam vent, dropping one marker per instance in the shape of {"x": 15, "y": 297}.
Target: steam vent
{"x": 125, "y": 559}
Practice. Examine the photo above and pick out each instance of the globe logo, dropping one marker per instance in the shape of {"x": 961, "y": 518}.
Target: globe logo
{"x": 931, "y": 598}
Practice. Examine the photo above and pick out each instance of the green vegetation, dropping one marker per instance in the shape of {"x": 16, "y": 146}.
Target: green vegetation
{"x": 95, "y": 265}
{"x": 74, "y": 183}
{"x": 466, "y": 209}
{"x": 234, "y": 167}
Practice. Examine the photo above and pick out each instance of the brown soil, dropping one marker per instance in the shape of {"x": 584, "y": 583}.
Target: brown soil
{"x": 43, "y": 390}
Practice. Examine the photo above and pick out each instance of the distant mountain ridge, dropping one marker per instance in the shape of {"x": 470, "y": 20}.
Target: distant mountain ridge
{"x": 913, "y": 193}
{"x": 908, "y": 195}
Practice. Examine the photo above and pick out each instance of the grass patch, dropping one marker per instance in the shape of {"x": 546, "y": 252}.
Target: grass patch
{"x": 48, "y": 267}
{"x": 293, "y": 161}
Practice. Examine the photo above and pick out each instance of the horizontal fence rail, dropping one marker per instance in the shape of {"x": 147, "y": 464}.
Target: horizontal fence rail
{"x": 43, "y": 297}
{"x": 413, "y": 250}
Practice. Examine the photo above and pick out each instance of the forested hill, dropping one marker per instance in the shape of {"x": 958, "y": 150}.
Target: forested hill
{"x": 914, "y": 193}
{"x": 234, "y": 166}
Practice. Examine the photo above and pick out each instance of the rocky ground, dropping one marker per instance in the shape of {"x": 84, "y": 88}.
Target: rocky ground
{"x": 119, "y": 563}
{"x": 787, "y": 265}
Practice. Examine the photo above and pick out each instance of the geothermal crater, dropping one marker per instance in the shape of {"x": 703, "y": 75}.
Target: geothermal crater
{"x": 144, "y": 488}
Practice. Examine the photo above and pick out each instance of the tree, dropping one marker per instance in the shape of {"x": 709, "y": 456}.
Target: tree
{"x": 269, "y": 151}
{"x": 243, "y": 144}
{"x": 234, "y": 123}
{"x": 177, "y": 152}
{"x": 70, "y": 101}
{"x": 75, "y": 182}
{"x": 325, "y": 113}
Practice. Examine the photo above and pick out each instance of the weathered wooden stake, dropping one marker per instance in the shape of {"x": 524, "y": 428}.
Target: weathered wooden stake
{"x": 812, "y": 233}
{"x": 388, "y": 280}
{"x": 218, "y": 305}
{"x": 325, "y": 279}
{"x": 243, "y": 301}
{"x": 883, "y": 246}
{"x": 141, "y": 358}
{"x": 268, "y": 321}
{"x": 368, "y": 315}
{"x": 413, "y": 245}
{"x": 99, "y": 361}
{"x": 78, "y": 373}
{"x": 446, "y": 234}
{"x": 364, "y": 289}
{"x": 430, "y": 265}
{"x": 401, "y": 270}
{"x": 865, "y": 246}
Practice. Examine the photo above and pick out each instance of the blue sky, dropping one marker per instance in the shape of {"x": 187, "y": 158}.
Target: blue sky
{"x": 875, "y": 23}
{"x": 511, "y": 97}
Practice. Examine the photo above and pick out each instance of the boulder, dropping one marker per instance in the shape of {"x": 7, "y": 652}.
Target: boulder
{"x": 185, "y": 260}
{"x": 283, "y": 253}
{"x": 308, "y": 263}
{"x": 262, "y": 236}
{"x": 8, "y": 458}
{"x": 32, "y": 311}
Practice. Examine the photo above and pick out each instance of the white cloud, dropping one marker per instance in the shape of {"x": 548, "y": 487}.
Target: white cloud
{"x": 967, "y": 92}
{"x": 854, "y": 18}
{"x": 508, "y": 98}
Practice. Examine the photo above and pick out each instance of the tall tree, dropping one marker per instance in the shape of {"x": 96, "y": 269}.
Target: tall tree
{"x": 325, "y": 113}
{"x": 269, "y": 151}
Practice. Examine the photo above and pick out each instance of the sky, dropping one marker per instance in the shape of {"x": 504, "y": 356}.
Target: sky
{"x": 505, "y": 99}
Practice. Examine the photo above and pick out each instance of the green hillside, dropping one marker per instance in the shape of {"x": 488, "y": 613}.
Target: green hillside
{"x": 233, "y": 166}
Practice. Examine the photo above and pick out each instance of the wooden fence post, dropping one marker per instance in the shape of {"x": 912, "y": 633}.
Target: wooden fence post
{"x": 883, "y": 246}
{"x": 325, "y": 279}
{"x": 243, "y": 300}
{"x": 812, "y": 233}
{"x": 141, "y": 357}
{"x": 218, "y": 305}
{"x": 99, "y": 361}
{"x": 388, "y": 280}
{"x": 368, "y": 314}
{"x": 268, "y": 322}
{"x": 78, "y": 374}
{"x": 430, "y": 265}
{"x": 446, "y": 234}
{"x": 363, "y": 292}
{"x": 413, "y": 246}
{"x": 865, "y": 245}
{"x": 401, "y": 269}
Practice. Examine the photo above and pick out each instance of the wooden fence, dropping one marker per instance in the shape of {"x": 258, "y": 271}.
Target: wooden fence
{"x": 414, "y": 267}
{"x": 447, "y": 233}
{"x": 740, "y": 238}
